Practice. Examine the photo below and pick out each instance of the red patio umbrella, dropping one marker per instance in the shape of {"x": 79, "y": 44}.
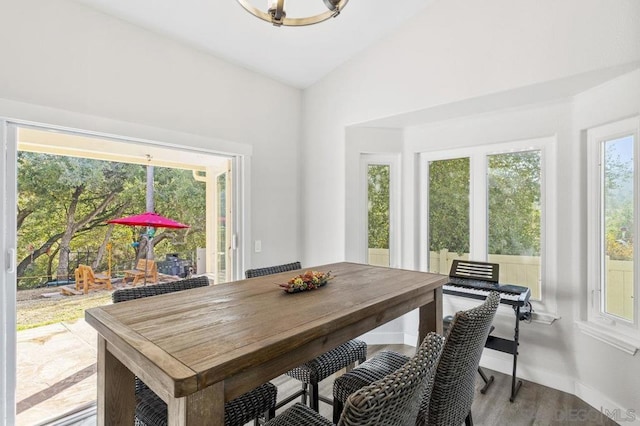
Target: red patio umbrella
{"x": 149, "y": 219}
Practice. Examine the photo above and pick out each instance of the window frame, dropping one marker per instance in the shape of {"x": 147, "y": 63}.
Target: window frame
{"x": 393, "y": 161}
{"x": 545, "y": 310}
{"x": 607, "y": 327}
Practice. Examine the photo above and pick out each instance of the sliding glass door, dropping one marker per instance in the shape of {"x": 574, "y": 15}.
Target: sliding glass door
{"x": 60, "y": 190}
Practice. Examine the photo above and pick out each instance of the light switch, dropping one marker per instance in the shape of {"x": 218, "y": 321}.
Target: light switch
{"x": 258, "y": 246}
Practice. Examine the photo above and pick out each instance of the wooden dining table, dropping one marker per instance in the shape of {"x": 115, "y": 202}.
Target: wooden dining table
{"x": 197, "y": 349}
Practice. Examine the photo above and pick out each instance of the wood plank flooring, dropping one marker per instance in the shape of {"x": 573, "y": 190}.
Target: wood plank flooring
{"x": 534, "y": 405}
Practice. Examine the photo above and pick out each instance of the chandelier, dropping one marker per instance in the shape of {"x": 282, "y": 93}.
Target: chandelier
{"x": 278, "y": 17}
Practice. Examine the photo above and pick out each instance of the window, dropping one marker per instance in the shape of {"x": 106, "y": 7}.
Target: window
{"x": 378, "y": 217}
{"x": 514, "y": 217}
{"x": 487, "y": 203}
{"x": 449, "y": 184}
{"x": 380, "y": 183}
{"x": 613, "y": 224}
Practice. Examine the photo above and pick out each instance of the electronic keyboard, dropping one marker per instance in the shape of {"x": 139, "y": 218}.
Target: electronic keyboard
{"x": 510, "y": 294}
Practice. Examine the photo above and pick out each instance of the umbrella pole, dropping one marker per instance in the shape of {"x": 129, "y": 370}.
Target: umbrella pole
{"x": 146, "y": 259}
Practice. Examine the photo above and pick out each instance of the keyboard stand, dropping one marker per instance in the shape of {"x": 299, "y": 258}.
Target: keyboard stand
{"x": 499, "y": 344}
{"x": 484, "y": 276}
{"x": 487, "y": 380}
{"x": 509, "y": 347}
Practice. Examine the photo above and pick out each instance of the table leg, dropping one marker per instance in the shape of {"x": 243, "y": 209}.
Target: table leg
{"x": 431, "y": 316}
{"x": 205, "y": 407}
{"x": 116, "y": 389}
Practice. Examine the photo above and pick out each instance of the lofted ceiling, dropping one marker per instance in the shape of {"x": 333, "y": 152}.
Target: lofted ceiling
{"x": 297, "y": 56}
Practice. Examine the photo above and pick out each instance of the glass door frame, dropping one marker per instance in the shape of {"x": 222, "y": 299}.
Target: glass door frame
{"x": 8, "y": 239}
{"x": 8, "y": 245}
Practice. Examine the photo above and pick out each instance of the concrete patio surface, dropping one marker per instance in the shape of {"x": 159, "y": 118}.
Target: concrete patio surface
{"x": 56, "y": 371}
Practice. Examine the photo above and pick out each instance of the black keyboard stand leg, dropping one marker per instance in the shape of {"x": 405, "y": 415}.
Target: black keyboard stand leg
{"x": 515, "y": 384}
{"x": 487, "y": 380}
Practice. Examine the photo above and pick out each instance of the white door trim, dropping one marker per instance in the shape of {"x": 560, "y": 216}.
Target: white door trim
{"x": 8, "y": 244}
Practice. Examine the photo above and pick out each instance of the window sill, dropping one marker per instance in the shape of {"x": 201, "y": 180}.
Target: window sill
{"x": 619, "y": 341}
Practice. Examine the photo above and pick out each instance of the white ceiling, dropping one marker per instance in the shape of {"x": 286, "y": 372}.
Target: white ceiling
{"x": 297, "y": 56}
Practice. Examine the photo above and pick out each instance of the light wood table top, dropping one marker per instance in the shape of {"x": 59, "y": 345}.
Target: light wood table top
{"x": 201, "y": 347}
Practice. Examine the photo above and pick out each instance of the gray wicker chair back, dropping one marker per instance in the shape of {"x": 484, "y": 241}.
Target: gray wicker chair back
{"x": 454, "y": 382}
{"x": 259, "y": 272}
{"x": 124, "y": 294}
{"x": 395, "y": 400}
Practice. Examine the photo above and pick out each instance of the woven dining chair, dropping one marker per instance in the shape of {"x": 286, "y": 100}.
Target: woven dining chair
{"x": 311, "y": 373}
{"x": 152, "y": 411}
{"x": 451, "y": 397}
{"x": 269, "y": 270}
{"x": 393, "y": 400}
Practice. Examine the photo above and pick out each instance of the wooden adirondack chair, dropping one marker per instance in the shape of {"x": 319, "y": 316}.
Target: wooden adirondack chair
{"x": 87, "y": 279}
{"x": 138, "y": 274}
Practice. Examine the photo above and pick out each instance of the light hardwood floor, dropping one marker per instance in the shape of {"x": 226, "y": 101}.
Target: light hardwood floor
{"x": 534, "y": 405}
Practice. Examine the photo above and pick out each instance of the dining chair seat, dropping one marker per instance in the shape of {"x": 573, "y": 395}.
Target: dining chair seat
{"x": 311, "y": 373}
{"x": 393, "y": 400}
{"x": 152, "y": 411}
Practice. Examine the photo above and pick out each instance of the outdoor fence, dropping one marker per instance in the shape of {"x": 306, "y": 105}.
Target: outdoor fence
{"x": 525, "y": 271}
{"x": 619, "y": 297}
{"x": 378, "y": 257}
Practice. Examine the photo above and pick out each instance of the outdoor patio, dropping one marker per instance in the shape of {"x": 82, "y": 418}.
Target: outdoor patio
{"x": 56, "y": 370}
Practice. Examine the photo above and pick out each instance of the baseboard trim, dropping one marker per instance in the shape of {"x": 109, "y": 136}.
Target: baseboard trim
{"x": 621, "y": 415}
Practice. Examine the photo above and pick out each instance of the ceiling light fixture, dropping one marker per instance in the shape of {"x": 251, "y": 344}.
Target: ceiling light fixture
{"x": 278, "y": 17}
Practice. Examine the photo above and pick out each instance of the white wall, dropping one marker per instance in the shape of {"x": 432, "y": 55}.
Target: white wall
{"x": 66, "y": 64}
{"x": 60, "y": 58}
{"x": 455, "y": 50}
{"x": 442, "y": 78}
{"x": 605, "y": 369}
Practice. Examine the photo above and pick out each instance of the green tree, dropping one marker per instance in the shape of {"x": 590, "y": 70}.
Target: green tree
{"x": 378, "y": 217}
{"x": 59, "y": 198}
{"x": 618, "y": 200}
{"x": 449, "y": 205}
{"x": 64, "y": 203}
{"x": 514, "y": 204}
{"x": 182, "y": 198}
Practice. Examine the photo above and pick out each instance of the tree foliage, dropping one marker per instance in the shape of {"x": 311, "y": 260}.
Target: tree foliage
{"x": 449, "y": 205}
{"x": 378, "y": 205}
{"x": 513, "y": 204}
{"x": 64, "y": 203}
{"x": 618, "y": 202}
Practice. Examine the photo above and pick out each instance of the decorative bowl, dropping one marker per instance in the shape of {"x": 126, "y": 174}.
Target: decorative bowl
{"x": 310, "y": 280}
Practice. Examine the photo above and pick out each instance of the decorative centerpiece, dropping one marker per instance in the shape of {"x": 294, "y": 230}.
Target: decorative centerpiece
{"x": 310, "y": 280}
